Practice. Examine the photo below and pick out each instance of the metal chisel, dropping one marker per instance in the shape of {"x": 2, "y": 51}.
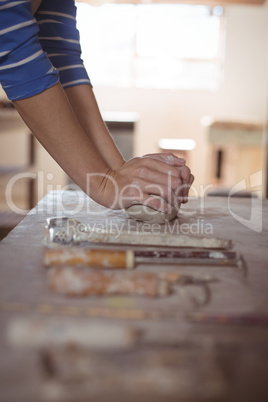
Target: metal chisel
{"x": 67, "y": 231}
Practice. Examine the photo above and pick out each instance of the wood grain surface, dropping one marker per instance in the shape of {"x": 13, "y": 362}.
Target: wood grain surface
{"x": 185, "y": 352}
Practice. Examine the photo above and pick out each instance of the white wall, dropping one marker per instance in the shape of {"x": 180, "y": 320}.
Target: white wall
{"x": 177, "y": 114}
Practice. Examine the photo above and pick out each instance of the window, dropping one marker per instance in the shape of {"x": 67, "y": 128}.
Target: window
{"x": 154, "y": 46}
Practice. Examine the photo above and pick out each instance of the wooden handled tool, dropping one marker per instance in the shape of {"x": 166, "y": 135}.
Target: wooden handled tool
{"x": 97, "y": 258}
{"x": 71, "y": 281}
{"x": 127, "y": 259}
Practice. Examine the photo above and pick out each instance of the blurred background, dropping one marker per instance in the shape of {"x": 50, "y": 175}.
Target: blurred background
{"x": 186, "y": 77}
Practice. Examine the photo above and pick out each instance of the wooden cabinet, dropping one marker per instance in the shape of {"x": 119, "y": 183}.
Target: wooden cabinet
{"x": 235, "y": 151}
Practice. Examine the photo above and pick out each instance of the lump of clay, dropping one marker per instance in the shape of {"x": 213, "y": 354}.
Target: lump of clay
{"x": 144, "y": 213}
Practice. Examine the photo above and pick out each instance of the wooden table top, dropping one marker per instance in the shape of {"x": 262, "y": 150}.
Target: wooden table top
{"x": 218, "y": 350}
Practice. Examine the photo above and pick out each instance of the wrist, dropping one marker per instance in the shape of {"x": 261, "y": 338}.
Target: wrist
{"x": 95, "y": 184}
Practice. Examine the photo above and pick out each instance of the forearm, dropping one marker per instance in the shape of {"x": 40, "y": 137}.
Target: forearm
{"x": 70, "y": 127}
{"x": 51, "y": 119}
{"x": 87, "y": 112}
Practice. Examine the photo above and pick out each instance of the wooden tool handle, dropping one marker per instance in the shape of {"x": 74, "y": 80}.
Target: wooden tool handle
{"x": 94, "y": 258}
{"x": 73, "y": 281}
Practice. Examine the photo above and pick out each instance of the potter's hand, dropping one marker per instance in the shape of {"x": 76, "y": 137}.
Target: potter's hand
{"x": 137, "y": 179}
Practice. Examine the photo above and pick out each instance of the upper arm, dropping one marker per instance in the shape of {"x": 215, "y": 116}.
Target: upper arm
{"x": 59, "y": 37}
{"x": 25, "y": 69}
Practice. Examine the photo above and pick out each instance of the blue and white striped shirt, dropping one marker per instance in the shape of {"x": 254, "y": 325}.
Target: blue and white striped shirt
{"x": 35, "y": 52}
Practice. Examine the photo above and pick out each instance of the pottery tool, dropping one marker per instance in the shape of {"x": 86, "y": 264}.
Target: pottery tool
{"x": 128, "y": 259}
{"x": 69, "y": 310}
{"x": 97, "y": 258}
{"x": 70, "y": 231}
{"x": 71, "y": 281}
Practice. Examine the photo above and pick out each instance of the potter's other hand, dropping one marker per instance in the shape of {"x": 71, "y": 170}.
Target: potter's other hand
{"x": 136, "y": 180}
{"x": 168, "y": 158}
{"x": 186, "y": 180}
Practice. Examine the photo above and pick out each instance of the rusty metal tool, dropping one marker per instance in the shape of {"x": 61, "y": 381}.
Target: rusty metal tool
{"x": 71, "y": 281}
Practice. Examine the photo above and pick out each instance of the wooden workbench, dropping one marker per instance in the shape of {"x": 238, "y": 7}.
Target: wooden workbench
{"x": 185, "y": 357}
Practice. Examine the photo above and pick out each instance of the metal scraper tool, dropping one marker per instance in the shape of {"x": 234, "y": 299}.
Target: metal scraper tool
{"x": 70, "y": 231}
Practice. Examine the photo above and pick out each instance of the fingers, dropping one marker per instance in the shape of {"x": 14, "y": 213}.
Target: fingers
{"x": 140, "y": 178}
{"x": 182, "y": 171}
{"x": 160, "y": 179}
{"x": 185, "y": 174}
{"x": 142, "y": 189}
{"x": 158, "y": 165}
{"x": 183, "y": 191}
{"x": 154, "y": 177}
{"x": 168, "y": 158}
{"x": 170, "y": 182}
{"x": 153, "y": 201}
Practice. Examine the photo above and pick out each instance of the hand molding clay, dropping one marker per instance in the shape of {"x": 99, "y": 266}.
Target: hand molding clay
{"x": 144, "y": 213}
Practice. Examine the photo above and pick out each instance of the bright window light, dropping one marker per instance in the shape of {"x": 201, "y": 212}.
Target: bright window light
{"x": 177, "y": 32}
{"x": 154, "y": 45}
{"x": 176, "y": 144}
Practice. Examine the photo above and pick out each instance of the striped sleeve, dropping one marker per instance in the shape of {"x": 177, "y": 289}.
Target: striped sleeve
{"x": 59, "y": 37}
{"x": 25, "y": 69}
